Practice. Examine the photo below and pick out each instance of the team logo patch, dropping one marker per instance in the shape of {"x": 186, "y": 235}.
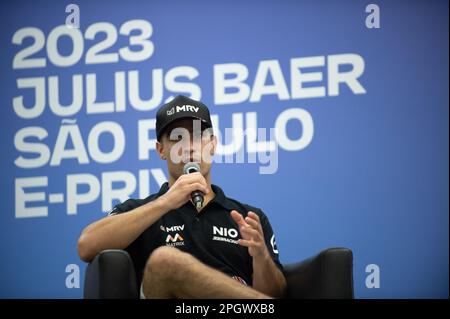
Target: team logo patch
{"x": 182, "y": 108}
{"x": 175, "y": 240}
{"x": 228, "y": 235}
{"x": 274, "y": 244}
{"x": 177, "y": 228}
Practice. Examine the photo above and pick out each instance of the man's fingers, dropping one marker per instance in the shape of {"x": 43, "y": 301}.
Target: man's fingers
{"x": 246, "y": 243}
{"x": 253, "y": 216}
{"x": 238, "y": 218}
{"x": 200, "y": 187}
{"x": 253, "y": 223}
{"x": 195, "y": 177}
{"x": 251, "y": 232}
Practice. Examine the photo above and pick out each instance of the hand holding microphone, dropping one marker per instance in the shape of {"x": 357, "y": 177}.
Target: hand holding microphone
{"x": 196, "y": 196}
{"x": 190, "y": 185}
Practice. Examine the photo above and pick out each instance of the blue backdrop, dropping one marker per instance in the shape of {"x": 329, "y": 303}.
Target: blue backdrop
{"x": 362, "y": 157}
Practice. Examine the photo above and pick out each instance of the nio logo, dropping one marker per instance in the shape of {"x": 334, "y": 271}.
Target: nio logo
{"x": 227, "y": 232}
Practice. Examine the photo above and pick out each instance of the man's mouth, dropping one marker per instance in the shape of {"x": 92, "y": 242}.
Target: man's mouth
{"x": 194, "y": 159}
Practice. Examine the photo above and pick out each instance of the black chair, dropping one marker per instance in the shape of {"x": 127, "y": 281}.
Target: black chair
{"x": 327, "y": 275}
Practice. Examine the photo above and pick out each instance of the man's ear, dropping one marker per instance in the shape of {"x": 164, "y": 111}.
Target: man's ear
{"x": 160, "y": 150}
{"x": 214, "y": 142}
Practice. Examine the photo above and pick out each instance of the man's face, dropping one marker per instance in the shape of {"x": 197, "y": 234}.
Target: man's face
{"x": 186, "y": 140}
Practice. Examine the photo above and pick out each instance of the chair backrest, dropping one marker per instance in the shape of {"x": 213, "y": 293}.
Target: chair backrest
{"x": 326, "y": 275}
{"x": 111, "y": 275}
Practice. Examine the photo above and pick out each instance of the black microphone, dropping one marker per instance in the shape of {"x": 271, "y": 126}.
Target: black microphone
{"x": 196, "y": 196}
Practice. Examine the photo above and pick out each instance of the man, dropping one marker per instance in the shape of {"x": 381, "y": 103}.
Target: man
{"x": 218, "y": 249}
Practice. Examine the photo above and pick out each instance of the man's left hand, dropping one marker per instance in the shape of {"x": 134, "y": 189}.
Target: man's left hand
{"x": 251, "y": 233}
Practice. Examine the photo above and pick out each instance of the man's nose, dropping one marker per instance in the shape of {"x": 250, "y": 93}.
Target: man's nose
{"x": 195, "y": 139}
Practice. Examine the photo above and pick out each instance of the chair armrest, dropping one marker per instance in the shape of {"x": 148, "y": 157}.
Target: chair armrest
{"x": 110, "y": 275}
{"x": 326, "y": 275}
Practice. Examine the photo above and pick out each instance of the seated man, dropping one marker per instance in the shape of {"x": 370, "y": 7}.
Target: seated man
{"x": 185, "y": 246}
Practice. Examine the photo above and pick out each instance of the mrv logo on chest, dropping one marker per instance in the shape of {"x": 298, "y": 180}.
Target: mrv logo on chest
{"x": 172, "y": 228}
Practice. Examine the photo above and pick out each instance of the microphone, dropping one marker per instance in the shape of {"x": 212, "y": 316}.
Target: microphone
{"x": 196, "y": 196}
